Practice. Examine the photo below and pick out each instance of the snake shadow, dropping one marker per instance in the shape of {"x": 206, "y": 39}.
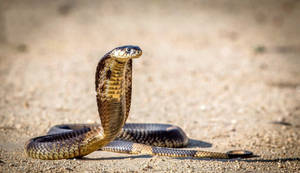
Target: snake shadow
{"x": 201, "y": 144}
{"x": 193, "y": 143}
{"x": 249, "y": 160}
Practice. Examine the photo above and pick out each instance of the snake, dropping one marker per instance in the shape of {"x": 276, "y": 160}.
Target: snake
{"x": 113, "y": 85}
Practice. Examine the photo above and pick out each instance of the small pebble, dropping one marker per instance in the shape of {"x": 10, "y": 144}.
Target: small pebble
{"x": 18, "y": 126}
{"x": 203, "y": 107}
{"x": 89, "y": 121}
{"x": 279, "y": 165}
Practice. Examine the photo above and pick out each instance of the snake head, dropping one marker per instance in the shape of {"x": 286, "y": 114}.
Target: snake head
{"x": 126, "y": 52}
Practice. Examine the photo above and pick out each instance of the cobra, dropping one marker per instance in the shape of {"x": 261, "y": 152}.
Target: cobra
{"x": 113, "y": 87}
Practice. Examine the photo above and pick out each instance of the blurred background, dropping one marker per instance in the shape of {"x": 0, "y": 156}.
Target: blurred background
{"x": 193, "y": 25}
{"x": 229, "y": 69}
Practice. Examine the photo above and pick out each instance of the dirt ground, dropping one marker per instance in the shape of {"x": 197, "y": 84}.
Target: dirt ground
{"x": 227, "y": 72}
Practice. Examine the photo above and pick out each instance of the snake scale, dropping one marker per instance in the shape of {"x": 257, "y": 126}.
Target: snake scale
{"x": 113, "y": 87}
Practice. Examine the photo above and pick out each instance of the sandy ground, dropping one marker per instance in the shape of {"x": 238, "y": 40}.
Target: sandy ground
{"x": 227, "y": 72}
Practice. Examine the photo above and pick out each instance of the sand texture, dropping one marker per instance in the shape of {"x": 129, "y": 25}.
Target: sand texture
{"x": 227, "y": 72}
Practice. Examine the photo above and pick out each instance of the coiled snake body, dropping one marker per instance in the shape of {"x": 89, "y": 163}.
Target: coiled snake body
{"x": 113, "y": 88}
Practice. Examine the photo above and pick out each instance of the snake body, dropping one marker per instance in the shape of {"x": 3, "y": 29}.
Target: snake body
{"x": 113, "y": 87}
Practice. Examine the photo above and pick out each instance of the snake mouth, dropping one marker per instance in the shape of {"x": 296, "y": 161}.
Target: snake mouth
{"x": 138, "y": 54}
